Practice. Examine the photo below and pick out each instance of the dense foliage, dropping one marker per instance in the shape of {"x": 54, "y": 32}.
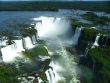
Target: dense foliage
{"x": 75, "y": 23}
{"x": 27, "y": 29}
{"x": 86, "y": 38}
{"x": 54, "y": 6}
{"x": 36, "y": 51}
{"x": 101, "y": 56}
{"x": 7, "y": 74}
{"x": 102, "y": 20}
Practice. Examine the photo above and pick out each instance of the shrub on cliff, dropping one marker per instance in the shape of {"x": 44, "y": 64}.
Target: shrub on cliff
{"x": 34, "y": 52}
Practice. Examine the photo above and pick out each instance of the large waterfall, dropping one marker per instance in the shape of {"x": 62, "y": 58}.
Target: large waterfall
{"x": 64, "y": 67}
{"x": 51, "y": 26}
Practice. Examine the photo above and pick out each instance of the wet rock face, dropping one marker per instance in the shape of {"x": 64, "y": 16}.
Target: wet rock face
{"x": 88, "y": 36}
{"x": 85, "y": 39}
{"x": 33, "y": 77}
{"x": 0, "y": 56}
{"x": 104, "y": 41}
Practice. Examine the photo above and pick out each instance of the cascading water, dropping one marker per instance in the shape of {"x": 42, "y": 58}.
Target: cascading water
{"x": 76, "y": 36}
{"x": 96, "y": 41}
{"x": 19, "y": 45}
{"x": 28, "y": 42}
{"x": 51, "y": 29}
{"x": 64, "y": 68}
{"x": 50, "y": 76}
{"x": 51, "y": 26}
{"x": 10, "y": 52}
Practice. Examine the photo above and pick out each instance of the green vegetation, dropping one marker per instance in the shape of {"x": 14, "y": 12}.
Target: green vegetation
{"x": 54, "y": 6}
{"x": 87, "y": 37}
{"x": 36, "y": 51}
{"x": 97, "y": 20}
{"x": 27, "y": 30}
{"x": 87, "y": 75}
{"x": 7, "y": 74}
{"x": 75, "y": 23}
{"x": 8, "y": 35}
{"x": 101, "y": 56}
{"x": 98, "y": 58}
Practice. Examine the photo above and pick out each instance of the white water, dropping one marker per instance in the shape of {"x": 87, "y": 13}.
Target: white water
{"x": 96, "y": 41}
{"x": 10, "y": 52}
{"x": 51, "y": 26}
{"x": 49, "y": 30}
{"x": 76, "y": 36}
{"x": 63, "y": 69}
{"x": 28, "y": 43}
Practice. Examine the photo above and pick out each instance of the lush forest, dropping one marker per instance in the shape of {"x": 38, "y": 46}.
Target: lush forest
{"x": 54, "y": 6}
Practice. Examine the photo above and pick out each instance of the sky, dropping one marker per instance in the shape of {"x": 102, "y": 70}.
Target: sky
{"x": 54, "y": 0}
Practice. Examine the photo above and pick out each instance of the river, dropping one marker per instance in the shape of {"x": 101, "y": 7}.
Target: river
{"x": 55, "y": 29}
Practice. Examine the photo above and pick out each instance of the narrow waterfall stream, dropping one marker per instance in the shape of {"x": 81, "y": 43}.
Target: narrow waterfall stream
{"x": 76, "y": 36}
{"x": 96, "y": 41}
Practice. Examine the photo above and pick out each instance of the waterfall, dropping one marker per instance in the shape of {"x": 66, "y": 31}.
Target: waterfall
{"x": 27, "y": 43}
{"x": 50, "y": 76}
{"x": 19, "y": 45}
{"x": 51, "y": 26}
{"x": 11, "y": 51}
{"x": 64, "y": 66}
{"x": 51, "y": 30}
{"x": 76, "y": 36}
{"x": 8, "y": 53}
{"x": 96, "y": 41}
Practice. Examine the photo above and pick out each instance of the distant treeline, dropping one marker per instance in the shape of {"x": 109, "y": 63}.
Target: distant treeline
{"x": 54, "y": 6}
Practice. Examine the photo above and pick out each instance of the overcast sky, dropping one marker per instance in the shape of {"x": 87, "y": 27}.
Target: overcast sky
{"x": 54, "y": 0}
